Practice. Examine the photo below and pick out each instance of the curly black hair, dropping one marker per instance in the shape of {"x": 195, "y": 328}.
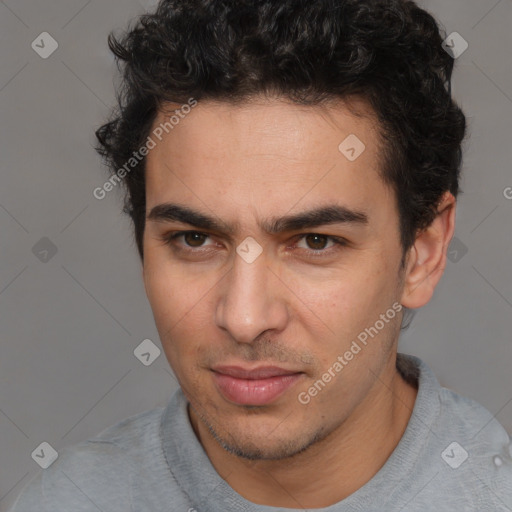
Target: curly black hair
{"x": 388, "y": 52}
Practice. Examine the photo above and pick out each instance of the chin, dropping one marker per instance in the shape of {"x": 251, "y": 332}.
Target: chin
{"x": 264, "y": 444}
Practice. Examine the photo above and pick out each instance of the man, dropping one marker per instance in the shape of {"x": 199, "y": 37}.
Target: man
{"x": 292, "y": 172}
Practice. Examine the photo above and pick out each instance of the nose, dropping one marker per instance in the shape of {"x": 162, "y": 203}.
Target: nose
{"x": 252, "y": 300}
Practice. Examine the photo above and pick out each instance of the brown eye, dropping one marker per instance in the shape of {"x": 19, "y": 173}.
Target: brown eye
{"x": 316, "y": 242}
{"x": 185, "y": 240}
{"x": 316, "y": 245}
{"x": 194, "y": 239}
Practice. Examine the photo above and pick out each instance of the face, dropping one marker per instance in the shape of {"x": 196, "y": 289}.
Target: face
{"x": 254, "y": 300}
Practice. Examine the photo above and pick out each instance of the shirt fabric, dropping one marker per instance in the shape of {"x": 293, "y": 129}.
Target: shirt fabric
{"x": 454, "y": 456}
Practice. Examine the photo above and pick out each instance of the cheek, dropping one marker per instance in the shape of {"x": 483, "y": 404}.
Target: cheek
{"x": 181, "y": 312}
{"x": 171, "y": 289}
{"x": 161, "y": 296}
{"x": 336, "y": 308}
{"x": 340, "y": 298}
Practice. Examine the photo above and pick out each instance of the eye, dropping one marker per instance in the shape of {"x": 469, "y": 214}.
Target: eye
{"x": 193, "y": 239}
{"x": 315, "y": 243}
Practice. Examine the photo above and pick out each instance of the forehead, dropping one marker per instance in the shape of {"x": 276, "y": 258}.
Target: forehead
{"x": 267, "y": 151}
{"x": 275, "y": 125}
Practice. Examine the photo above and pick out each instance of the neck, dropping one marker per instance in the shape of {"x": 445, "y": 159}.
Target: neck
{"x": 332, "y": 469}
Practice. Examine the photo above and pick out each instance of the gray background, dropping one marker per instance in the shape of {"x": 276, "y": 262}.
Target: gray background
{"x": 69, "y": 325}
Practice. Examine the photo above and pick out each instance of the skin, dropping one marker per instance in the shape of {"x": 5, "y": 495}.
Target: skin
{"x": 247, "y": 163}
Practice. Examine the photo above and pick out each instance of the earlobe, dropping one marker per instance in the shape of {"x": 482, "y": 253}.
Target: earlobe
{"x": 427, "y": 258}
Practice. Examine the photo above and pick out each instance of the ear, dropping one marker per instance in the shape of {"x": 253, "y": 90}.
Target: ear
{"x": 427, "y": 258}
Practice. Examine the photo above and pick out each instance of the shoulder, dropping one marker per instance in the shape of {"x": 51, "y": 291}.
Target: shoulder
{"x": 478, "y": 449}
{"x": 95, "y": 474}
{"x": 471, "y": 422}
{"x": 464, "y": 459}
{"x": 132, "y": 432}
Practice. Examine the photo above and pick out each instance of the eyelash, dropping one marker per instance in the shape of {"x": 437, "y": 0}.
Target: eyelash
{"x": 169, "y": 238}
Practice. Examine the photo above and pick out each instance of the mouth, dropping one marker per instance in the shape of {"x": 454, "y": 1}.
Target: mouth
{"x": 257, "y": 386}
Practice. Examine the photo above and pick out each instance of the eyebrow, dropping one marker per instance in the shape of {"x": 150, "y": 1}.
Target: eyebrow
{"x": 329, "y": 214}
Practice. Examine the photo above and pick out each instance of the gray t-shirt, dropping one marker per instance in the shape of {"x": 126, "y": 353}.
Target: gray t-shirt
{"x": 454, "y": 456}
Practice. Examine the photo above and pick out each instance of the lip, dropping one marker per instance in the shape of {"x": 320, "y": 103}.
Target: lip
{"x": 257, "y": 386}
